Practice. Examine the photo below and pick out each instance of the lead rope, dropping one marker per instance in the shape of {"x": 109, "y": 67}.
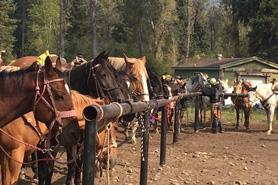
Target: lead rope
{"x": 141, "y": 122}
{"x": 108, "y": 127}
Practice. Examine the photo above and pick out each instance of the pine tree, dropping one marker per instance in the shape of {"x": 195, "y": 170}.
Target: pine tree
{"x": 43, "y": 27}
{"x": 7, "y": 28}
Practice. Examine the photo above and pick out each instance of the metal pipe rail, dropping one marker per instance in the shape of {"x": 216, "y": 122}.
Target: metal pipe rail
{"x": 92, "y": 112}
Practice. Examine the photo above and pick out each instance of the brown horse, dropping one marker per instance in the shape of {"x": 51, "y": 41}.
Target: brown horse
{"x": 23, "y": 129}
{"x": 43, "y": 90}
{"x": 242, "y": 87}
{"x": 25, "y": 62}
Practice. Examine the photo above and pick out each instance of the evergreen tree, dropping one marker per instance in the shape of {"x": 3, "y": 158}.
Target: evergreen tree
{"x": 43, "y": 27}
{"x": 264, "y": 31}
{"x": 7, "y": 28}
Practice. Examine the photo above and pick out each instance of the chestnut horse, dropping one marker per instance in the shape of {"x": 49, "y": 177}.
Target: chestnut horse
{"x": 43, "y": 91}
{"x": 24, "y": 130}
{"x": 242, "y": 87}
{"x": 138, "y": 73}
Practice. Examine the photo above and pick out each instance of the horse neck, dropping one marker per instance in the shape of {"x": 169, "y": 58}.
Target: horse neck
{"x": 191, "y": 87}
{"x": 80, "y": 102}
{"x": 264, "y": 91}
{"x": 79, "y": 77}
{"x": 17, "y": 97}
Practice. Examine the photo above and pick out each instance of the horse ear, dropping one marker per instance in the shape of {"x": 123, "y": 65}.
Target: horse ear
{"x": 144, "y": 59}
{"x": 48, "y": 65}
{"x": 107, "y": 55}
{"x": 235, "y": 81}
{"x": 58, "y": 64}
{"x": 128, "y": 60}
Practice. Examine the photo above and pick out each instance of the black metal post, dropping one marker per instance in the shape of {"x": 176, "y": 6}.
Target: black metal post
{"x": 89, "y": 148}
{"x": 145, "y": 150}
{"x": 176, "y": 123}
{"x": 163, "y": 131}
{"x": 196, "y": 121}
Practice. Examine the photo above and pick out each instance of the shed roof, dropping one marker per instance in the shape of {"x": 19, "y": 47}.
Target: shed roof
{"x": 223, "y": 63}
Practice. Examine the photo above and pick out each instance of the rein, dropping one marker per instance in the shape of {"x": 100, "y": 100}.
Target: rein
{"x": 58, "y": 116}
{"x": 39, "y": 96}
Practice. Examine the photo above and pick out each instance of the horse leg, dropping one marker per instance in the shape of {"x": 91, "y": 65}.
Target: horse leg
{"x": 71, "y": 166}
{"x": 237, "y": 118}
{"x": 11, "y": 168}
{"x": 79, "y": 163}
{"x": 134, "y": 125}
{"x": 270, "y": 114}
{"x": 126, "y": 125}
{"x": 246, "y": 115}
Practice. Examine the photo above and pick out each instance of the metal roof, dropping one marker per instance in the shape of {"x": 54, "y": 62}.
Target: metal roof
{"x": 223, "y": 63}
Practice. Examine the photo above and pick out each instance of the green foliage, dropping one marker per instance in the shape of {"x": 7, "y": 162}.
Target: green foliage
{"x": 157, "y": 29}
{"x": 264, "y": 31}
{"x": 43, "y": 27}
{"x": 7, "y": 27}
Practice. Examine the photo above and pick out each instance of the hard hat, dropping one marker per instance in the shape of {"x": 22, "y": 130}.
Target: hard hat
{"x": 212, "y": 81}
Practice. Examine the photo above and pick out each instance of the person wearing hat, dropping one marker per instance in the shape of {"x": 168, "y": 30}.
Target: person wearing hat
{"x": 213, "y": 93}
{"x": 79, "y": 60}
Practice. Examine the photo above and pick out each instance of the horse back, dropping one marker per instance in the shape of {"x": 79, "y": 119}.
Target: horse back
{"x": 117, "y": 62}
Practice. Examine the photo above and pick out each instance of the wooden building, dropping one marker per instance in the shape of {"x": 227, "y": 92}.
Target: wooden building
{"x": 254, "y": 69}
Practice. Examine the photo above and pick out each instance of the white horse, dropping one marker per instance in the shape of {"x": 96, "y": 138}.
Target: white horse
{"x": 268, "y": 96}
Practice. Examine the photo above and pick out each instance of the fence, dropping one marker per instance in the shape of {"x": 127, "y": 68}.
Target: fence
{"x": 92, "y": 113}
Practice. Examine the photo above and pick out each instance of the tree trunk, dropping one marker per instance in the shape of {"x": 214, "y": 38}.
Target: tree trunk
{"x": 63, "y": 13}
{"x": 94, "y": 26}
{"x": 236, "y": 34}
{"x": 189, "y": 27}
{"x": 23, "y": 29}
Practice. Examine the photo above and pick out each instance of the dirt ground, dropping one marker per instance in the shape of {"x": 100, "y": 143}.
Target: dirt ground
{"x": 232, "y": 157}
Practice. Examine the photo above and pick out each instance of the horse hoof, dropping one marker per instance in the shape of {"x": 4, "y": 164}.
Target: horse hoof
{"x": 35, "y": 180}
{"x": 268, "y": 132}
{"x": 22, "y": 176}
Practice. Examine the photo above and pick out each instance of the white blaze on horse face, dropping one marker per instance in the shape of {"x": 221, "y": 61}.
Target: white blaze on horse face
{"x": 128, "y": 84}
{"x": 145, "y": 88}
{"x": 67, "y": 88}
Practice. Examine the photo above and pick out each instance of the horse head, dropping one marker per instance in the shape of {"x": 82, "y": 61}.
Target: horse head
{"x": 55, "y": 103}
{"x": 224, "y": 85}
{"x": 154, "y": 84}
{"x": 103, "y": 75}
{"x": 140, "y": 75}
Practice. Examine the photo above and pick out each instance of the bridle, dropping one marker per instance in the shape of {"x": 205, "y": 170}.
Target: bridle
{"x": 52, "y": 106}
{"x": 101, "y": 91}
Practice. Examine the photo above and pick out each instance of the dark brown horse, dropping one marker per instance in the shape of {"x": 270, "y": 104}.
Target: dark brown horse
{"x": 242, "y": 87}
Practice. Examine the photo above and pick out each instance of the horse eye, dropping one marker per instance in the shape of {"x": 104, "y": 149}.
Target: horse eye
{"x": 59, "y": 97}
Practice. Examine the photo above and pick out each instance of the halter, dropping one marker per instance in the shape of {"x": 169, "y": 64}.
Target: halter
{"x": 39, "y": 96}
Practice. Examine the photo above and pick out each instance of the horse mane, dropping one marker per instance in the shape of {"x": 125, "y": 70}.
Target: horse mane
{"x": 16, "y": 78}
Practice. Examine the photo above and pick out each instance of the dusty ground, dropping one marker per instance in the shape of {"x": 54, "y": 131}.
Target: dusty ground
{"x": 232, "y": 157}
